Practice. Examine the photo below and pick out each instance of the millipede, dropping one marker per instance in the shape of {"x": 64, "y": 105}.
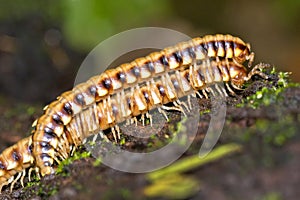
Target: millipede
{"x": 188, "y": 69}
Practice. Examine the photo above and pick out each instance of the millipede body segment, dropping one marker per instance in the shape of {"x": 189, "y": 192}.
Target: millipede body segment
{"x": 190, "y": 68}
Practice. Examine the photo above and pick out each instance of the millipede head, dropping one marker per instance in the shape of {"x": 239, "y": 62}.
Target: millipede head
{"x": 243, "y": 53}
{"x": 237, "y": 74}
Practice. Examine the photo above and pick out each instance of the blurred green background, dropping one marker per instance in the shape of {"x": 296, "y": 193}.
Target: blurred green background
{"x": 42, "y": 43}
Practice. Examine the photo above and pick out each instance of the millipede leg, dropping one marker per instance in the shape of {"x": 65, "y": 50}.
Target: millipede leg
{"x": 73, "y": 151}
{"x": 204, "y": 93}
{"x": 236, "y": 87}
{"x": 143, "y": 119}
{"x": 211, "y": 91}
{"x": 114, "y": 133}
{"x": 57, "y": 160}
{"x": 1, "y": 187}
{"x": 22, "y": 178}
{"x": 29, "y": 174}
{"x": 229, "y": 89}
{"x": 118, "y": 131}
{"x": 5, "y": 183}
{"x": 94, "y": 138}
{"x": 170, "y": 108}
{"x": 220, "y": 91}
{"x": 251, "y": 59}
{"x": 177, "y": 105}
{"x": 189, "y": 102}
{"x": 164, "y": 113}
{"x": 184, "y": 104}
{"x": 149, "y": 117}
{"x": 60, "y": 152}
{"x": 102, "y": 135}
{"x": 224, "y": 91}
{"x": 14, "y": 181}
{"x": 37, "y": 172}
{"x": 133, "y": 120}
{"x": 199, "y": 95}
{"x": 66, "y": 144}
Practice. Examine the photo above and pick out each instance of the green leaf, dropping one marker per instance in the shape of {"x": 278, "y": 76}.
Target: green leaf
{"x": 173, "y": 187}
{"x": 192, "y": 162}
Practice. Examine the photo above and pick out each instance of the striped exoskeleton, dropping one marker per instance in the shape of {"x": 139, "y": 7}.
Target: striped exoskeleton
{"x": 14, "y": 162}
{"x": 129, "y": 103}
{"x": 72, "y": 117}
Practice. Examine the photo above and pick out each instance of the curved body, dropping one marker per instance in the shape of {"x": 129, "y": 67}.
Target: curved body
{"x": 126, "y": 92}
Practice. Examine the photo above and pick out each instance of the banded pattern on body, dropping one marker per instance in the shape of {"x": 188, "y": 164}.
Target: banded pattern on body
{"x": 130, "y": 90}
{"x": 15, "y": 160}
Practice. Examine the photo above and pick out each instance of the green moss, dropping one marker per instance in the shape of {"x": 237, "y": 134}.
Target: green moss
{"x": 271, "y": 133}
{"x": 47, "y": 191}
{"x": 41, "y": 190}
{"x": 180, "y": 127}
{"x": 97, "y": 162}
{"x": 77, "y": 186}
{"x": 271, "y": 93}
{"x": 279, "y": 133}
{"x": 117, "y": 193}
{"x": 272, "y": 196}
{"x": 77, "y": 155}
{"x": 32, "y": 183}
{"x": 122, "y": 141}
{"x": 126, "y": 193}
{"x": 204, "y": 112}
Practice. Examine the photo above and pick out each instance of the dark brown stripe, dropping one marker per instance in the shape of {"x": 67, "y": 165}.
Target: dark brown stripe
{"x": 161, "y": 90}
{"x": 79, "y": 99}
{"x": 45, "y": 146}
{"x": 56, "y": 118}
{"x": 164, "y": 60}
{"x": 178, "y": 57}
{"x": 68, "y": 108}
{"x": 16, "y": 155}
{"x": 2, "y": 165}
{"x": 136, "y": 71}
{"x": 191, "y": 52}
{"x": 121, "y": 77}
{"x": 107, "y": 83}
{"x": 146, "y": 96}
{"x": 150, "y": 66}
{"x": 93, "y": 90}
